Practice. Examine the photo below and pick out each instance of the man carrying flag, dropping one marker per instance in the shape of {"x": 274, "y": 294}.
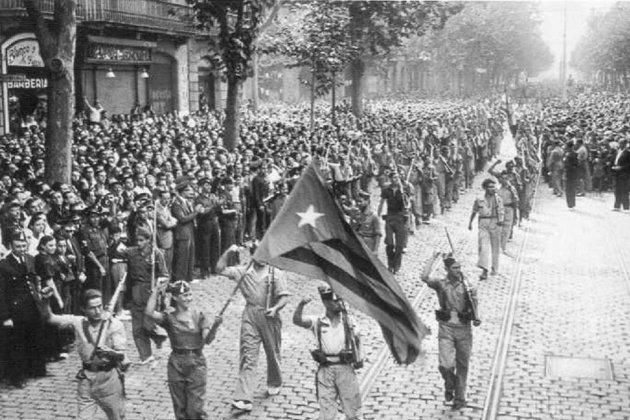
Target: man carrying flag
{"x": 310, "y": 237}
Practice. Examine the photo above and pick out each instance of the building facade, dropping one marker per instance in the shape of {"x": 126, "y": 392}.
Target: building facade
{"x": 128, "y": 53}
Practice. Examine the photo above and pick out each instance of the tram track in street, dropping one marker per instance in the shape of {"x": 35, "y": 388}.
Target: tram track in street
{"x": 499, "y": 361}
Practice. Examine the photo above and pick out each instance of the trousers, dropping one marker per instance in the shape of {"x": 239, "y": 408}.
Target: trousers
{"x": 489, "y": 244}
{"x": 186, "y": 374}
{"x": 506, "y": 229}
{"x": 396, "y": 235}
{"x": 338, "y": 381}
{"x": 455, "y": 345}
{"x": 102, "y": 390}
{"x": 257, "y": 329}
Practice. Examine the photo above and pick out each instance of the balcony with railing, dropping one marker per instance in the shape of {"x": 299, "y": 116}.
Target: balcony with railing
{"x": 157, "y": 15}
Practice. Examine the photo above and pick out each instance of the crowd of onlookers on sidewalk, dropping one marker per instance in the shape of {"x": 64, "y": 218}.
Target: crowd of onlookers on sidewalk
{"x": 170, "y": 178}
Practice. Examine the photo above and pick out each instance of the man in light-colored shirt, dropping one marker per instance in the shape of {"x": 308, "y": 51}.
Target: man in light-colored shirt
{"x": 265, "y": 294}
{"x": 101, "y": 343}
{"x": 335, "y": 377}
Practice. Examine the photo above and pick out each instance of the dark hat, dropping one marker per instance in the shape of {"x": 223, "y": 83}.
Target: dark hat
{"x": 449, "y": 260}
{"x": 182, "y": 183}
{"x": 178, "y": 288}
{"x": 487, "y": 182}
{"x": 142, "y": 197}
{"x": 326, "y": 293}
{"x": 204, "y": 180}
{"x": 94, "y": 210}
{"x": 18, "y": 235}
{"x": 14, "y": 204}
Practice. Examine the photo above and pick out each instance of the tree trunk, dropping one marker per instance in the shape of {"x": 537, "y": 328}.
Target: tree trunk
{"x": 357, "y": 68}
{"x": 255, "y": 81}
{"x": 57, "y": 48}
{"x": 232, "y": 114}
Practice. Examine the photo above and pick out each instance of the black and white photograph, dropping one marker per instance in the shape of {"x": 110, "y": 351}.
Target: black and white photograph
{"x": 314, "y": 210}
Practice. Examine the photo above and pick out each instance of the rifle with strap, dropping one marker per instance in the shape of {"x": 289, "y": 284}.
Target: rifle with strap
{"x": 473, "y": 304}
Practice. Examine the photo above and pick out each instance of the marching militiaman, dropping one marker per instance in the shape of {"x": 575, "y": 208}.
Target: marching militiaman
{"x": 491, "y": 217}
{"x": 395, "y": 222}
{"x": 188, "y": 331}
{"x": 366, "y": 223}
{"x": 458, "y": 306}
{"x": 265, "y": 295}
{"x": 140, "y": 271}
{"x": 509, "y": 196}
{"x": 337, "y": 353}
{"x": 100, "y": 342}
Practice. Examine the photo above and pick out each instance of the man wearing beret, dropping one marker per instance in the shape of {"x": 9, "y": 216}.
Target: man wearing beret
{"x": 455, "y": 332}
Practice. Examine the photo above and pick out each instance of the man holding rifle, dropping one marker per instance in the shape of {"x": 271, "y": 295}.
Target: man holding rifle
{"x": 100, "y": 342}
{"x": 458, "y": 307}
{"x": 265, "y": 295}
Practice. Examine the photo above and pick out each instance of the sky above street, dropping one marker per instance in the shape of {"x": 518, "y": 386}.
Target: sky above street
{"x": 577, "y": 13}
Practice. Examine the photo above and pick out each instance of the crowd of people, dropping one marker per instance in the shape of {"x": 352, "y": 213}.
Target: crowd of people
{"x": 585, "y": 146}
{"x": 160, "y": 196}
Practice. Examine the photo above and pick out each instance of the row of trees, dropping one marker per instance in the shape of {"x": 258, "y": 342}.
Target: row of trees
{"x": 330, "y": 37}
{"x": 603, "y": 53}
{"x": 487, "y": 44}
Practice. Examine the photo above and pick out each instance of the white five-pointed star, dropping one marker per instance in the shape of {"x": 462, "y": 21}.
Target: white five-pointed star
{"x": 309, "y": 217}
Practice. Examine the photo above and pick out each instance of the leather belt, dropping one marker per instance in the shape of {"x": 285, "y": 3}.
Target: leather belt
{"x": 98, "y": 368}
{"x": 196, "y": 352}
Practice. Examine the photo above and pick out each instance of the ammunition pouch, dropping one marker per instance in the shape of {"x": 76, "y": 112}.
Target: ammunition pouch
{"x": 466, "y": 316}
{"x": 319, "y": 356}
{"x": 442, "y": 315}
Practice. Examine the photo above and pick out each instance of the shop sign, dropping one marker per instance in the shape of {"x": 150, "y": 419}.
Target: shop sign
{"x": 104, "y": 52}
{"x": 12, "y": 77}
{"x": 24, "y": 53}
{"x": 33, "y": 83}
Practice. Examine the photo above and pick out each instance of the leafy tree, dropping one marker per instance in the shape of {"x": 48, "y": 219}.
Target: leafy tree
{"x": 239, "y": 23}
{"x": 57, "y": 40}
{"x": 315, "y": 36}
{"x": 501, "y": 38}
{"x": 605, "y": 48}
{"x": 377, "y": 27}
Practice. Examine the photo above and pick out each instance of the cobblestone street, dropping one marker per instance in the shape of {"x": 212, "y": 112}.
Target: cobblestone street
{"x": 572, "y": 302}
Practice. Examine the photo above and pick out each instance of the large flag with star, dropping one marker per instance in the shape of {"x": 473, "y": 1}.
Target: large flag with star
{"x": 311, "y": 237}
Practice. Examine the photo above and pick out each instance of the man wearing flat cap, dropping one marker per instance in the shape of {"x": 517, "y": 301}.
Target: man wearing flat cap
{"x": 455, "y": 333}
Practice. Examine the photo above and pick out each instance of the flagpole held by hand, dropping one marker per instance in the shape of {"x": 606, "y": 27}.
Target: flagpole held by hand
{"x": 218, "y": 319}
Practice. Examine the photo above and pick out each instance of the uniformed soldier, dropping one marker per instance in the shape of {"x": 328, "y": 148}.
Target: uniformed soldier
{"x": 265, "y": 295}
{"x": 396, "y": 232}
{"x": 20, "y": 321}
{"x": 101, "y": 343}
{"x": 139, "y": 271}
{"x": 367, "y": 224}
{"x": 337, "y": 355}
{"x": 94, "y": 241}
{"x": 491, "y": 217}
{"x": 509, "y": 196}
{"x": 455, "y": 332}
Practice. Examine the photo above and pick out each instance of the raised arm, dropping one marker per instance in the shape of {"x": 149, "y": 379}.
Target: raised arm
{"x": 298, "y": 319}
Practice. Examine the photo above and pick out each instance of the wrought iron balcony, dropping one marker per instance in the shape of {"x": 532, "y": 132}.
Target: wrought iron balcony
{"x": 158, "y": 15}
